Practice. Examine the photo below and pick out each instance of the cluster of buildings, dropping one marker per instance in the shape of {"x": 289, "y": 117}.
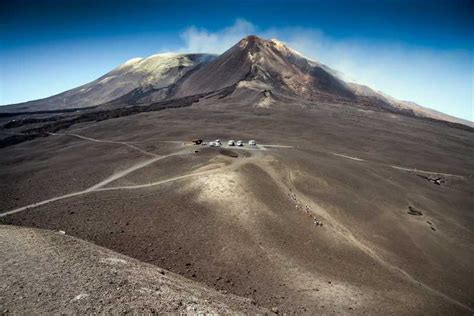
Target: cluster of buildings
{"x": 218, "y": 143}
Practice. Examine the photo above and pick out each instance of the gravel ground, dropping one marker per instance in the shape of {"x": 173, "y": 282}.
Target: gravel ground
{"x": 48, "y": 272}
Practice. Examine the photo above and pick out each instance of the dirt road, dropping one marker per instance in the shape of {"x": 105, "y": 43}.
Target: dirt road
{"x": 109, "y": 142}
{"x": 100, "y": 186}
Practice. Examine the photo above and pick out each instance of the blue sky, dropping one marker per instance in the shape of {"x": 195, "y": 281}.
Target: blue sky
{"x": 413, "y": 50}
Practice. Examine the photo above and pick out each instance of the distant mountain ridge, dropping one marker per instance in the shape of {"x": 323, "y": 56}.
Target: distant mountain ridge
{"x": 256, "y": 71}
{"x": 158, "y": 71}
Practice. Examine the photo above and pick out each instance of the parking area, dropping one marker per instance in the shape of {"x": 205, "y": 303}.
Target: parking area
{"x": 246, "y": 146}
{"x": 229, "y": 144}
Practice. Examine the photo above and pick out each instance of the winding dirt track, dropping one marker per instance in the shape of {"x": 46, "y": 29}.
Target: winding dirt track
{"x": 427, "y": 172}
{"x": 127, "y": 171}
{"x": 110, "y": 142}
{"x": 348, "y": 157}
{"x": 100, "y": 186}
{"x": 399, "y": 167}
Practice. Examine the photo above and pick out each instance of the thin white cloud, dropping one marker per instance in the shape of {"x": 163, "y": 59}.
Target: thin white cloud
{"x": 199, "y": 40}
{"x": 438, "y": 79}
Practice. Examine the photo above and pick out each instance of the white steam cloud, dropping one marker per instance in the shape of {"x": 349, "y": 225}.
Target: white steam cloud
{"x": 199, "y": 40}
{"x": 441, "y": 80}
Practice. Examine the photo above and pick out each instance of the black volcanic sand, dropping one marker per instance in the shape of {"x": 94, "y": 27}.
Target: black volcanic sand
{"x": 189, "y": 161}
{"x": 246, "y": 224}
{"x": 58, "y": 165}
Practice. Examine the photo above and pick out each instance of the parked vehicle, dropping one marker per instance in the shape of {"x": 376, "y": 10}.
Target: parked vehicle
{"x": 231, "y": 143}
{"x": 252, "y": 143}
{"x": 239, "y": 143}
{"x": 214, "y": 144}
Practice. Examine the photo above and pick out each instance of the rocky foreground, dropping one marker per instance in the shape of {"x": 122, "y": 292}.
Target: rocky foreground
{"x": 50, "y": 272}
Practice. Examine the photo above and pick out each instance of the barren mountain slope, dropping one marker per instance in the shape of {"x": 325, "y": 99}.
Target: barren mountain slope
{"x": 157, "y": 72}
{"x": 46, "y": 272}
{"x": 395, "y": 202}
{"x": 406, "y": 106}
{"x": 267, "y": 64}
{"x": 262, "y": 71}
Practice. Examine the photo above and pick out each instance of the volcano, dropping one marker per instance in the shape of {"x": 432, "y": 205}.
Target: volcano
{"x": 255, "y": 71}
{"x": 341, "y": 199}
{"x": 259, "y": 64}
